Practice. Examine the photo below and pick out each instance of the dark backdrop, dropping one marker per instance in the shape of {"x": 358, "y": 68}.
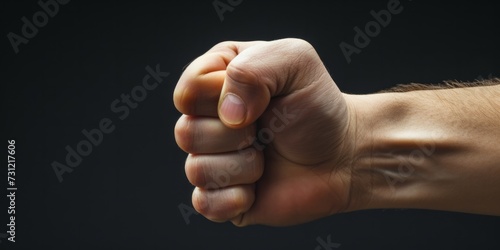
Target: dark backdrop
{"x": 126, "y": 193}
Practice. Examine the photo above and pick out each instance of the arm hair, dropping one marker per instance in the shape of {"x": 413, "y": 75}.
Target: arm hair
{"x": 445, "y": 85}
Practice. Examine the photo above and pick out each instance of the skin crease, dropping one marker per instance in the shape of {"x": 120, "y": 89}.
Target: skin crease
{"x": 327, "y": 152}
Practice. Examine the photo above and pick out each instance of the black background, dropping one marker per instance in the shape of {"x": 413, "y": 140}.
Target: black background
{"x": 126, "y": 193}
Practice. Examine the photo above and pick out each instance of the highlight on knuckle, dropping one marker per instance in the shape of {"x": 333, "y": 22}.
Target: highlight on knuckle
{"x": 184, "y": 134}
{"x": 200, "y": 202}
{"x": 185, "y": 99}
{"x": 195, "y": 171}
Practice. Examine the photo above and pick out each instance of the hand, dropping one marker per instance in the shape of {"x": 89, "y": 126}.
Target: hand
{"x": 270, "y": 137}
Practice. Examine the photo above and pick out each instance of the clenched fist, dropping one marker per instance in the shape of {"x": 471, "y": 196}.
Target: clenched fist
{"x": 268, "y": 134}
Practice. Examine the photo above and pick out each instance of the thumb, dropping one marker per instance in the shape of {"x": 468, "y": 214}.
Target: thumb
{"x": 259, "y": 73}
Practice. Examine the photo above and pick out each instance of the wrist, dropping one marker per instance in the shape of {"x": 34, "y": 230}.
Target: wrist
{"x": 391, "y": 156}
{"x": 426, "y": 150}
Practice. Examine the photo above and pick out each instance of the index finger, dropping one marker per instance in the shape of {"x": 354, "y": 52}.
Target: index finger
{"x": 198, "y": 90}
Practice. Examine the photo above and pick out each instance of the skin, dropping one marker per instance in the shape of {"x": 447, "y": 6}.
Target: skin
{"x": 294, "y": 148}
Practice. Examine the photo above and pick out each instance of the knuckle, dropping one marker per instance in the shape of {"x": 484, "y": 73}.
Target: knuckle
{"x": 195, "y": 171}
{"x": 185, "y": 99}
{"x": 223, "y": 44}
{"x": 184, "y": 135}
{"x": 305, "y": 52}
{"x": 241, "y": 71}
{"x": 200, "y": 202}
{"x": 301, "y": 43}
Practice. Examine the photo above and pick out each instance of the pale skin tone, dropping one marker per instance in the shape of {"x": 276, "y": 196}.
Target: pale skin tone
{"x": 320, "y": 151}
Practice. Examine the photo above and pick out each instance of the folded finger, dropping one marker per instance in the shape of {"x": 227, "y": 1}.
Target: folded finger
{"x": 215, "y": 171}
{"x": 206, "y": 135}
{"x": 198, "y": 89}
{"x": 221, "y": 205}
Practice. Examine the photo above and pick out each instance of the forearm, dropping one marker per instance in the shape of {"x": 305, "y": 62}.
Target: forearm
{"x": 434, "y": 149}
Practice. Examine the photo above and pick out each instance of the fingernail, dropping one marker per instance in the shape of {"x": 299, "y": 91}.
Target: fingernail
{"x": 232, "y": 109}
